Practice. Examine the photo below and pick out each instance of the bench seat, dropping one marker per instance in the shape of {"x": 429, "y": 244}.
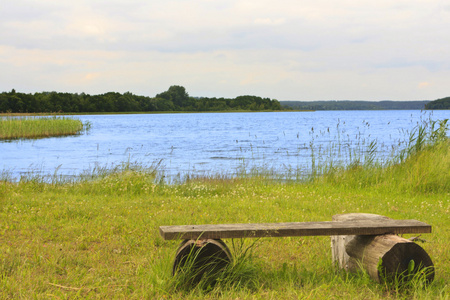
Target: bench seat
{"x": 362, "y": 227}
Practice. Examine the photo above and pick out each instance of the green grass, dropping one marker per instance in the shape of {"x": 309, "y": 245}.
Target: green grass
{"x": 99, "y": 238}
{"x": 25, "y": 127}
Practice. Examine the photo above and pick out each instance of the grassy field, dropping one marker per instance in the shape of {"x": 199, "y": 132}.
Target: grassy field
{"x": 99, "y": 238}
{"x": 26, "y": 127}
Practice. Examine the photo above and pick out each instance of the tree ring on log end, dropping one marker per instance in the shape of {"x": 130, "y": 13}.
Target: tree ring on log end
{"x": 406, "y": 261}
{"x": 390, "y": 258}
{"x": 200, "y": 257}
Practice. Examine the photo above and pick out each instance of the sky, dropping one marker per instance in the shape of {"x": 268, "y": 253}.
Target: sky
{"x": 283, "y": 49}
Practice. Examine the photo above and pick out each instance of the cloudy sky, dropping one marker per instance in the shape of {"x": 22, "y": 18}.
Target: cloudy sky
{"x": 283, "y": 49}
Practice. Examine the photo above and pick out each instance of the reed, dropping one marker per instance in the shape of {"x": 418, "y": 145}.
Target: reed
{"x": 30, "y": 127}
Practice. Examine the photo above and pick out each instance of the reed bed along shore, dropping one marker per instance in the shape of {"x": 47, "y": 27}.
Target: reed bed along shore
{"x": 98, "y": 237}
{"x": 30, "y": 127}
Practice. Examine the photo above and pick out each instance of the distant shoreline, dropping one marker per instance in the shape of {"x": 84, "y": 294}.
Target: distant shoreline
{"x": 141, "y": 113}
{"x": 178, "y": 112}
{"x": 355, "y": 105}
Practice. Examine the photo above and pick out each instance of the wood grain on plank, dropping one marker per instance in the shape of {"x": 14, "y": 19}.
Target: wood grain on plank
{"x": 364, "y": 227}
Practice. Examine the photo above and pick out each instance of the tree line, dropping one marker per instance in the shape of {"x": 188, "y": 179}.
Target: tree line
{"x": 443, "y": 103}
{"x": 174, "y": 99}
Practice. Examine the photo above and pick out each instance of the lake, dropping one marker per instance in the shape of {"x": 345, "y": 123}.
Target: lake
{"x": 183, "y": 144}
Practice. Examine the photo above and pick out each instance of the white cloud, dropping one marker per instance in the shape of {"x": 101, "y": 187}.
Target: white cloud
{"x": 269, "y": 21}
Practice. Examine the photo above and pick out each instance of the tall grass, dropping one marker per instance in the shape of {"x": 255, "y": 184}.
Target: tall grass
{"x": 26, "y": 127}
{"x": 98, "y": 238}
{"x": 412, "y": 168}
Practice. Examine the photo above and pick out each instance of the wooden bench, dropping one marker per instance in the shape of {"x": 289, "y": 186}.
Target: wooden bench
{"x": 356, "y": 239}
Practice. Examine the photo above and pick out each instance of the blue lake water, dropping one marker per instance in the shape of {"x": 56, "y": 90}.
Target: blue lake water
{"x": 215, "y": 143}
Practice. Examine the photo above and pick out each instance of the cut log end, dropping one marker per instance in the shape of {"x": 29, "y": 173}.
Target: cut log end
{"x": 406, "y": 261}
{"x": 390, "y": 258}
{"x": 200, "y": 257}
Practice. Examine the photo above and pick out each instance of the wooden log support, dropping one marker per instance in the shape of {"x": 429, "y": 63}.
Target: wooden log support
{"x": 385, "y": 257}
{"x": 201, "y": 257}
{"x": 338, "y": 242}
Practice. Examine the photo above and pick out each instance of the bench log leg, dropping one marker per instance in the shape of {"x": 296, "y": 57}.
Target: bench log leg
{"x": 339, "y": 256}
{"x": 384, "y": 257}
{"x": 200, "y": 257}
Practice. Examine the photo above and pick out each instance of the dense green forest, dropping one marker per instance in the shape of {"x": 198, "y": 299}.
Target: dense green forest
{"x": 174, "y": 99}
{"x": 177, "y": 99}
{"x": 354, "y": 105}
{"x": 443, "y": 103}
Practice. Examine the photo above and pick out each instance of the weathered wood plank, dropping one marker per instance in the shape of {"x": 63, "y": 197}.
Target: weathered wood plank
{"x": 221, "y": 231}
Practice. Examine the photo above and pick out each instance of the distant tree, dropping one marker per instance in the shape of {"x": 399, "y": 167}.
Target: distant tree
{"x": 276, "y": 105}
{"x": 177, "y": 94}
{"x": 162, "y": 104}
{"x": 17, "y": 104}
{"x": 4, "y": 105}
{"x": 126, "y": 102}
